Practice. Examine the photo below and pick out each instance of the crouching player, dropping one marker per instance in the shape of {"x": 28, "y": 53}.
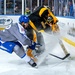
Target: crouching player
{"x": 12, "y": 39}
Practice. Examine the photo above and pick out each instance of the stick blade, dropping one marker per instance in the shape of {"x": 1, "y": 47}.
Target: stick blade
{"x": 62, "y": 58}
{"x": 66, "y": 56}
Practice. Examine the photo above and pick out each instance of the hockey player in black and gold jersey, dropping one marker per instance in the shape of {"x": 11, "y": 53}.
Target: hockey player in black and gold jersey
{"x": 41, "y": 19}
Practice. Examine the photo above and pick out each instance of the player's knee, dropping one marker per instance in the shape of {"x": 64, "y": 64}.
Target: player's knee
{"x": 19, "y": 51}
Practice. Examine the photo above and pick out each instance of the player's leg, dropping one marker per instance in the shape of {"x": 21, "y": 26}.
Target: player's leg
{"x": 40, "y": 40}
{"x": 21, "y": 53}
{"x": 17, "y": 48}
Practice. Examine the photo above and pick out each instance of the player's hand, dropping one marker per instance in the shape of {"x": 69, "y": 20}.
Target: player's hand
{"x": 32, "y": 46}
{"x": 55, "y": 28}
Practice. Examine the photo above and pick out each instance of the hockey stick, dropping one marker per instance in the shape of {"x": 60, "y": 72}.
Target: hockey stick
{"x": 64, "y": 49}
{"x": 59, "y": 36}
{"x": 62, "y": 58}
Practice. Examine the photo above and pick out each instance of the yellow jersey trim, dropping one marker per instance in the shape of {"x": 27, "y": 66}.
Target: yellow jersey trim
{"x": 41, "y": 11}
{"x": 32, "y": 25}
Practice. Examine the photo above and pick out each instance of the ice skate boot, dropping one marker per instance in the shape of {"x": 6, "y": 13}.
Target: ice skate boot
{"x": 32, "y": 63}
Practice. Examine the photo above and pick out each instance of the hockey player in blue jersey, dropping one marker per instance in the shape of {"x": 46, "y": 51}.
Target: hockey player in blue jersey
{"x": 13, "y": 37}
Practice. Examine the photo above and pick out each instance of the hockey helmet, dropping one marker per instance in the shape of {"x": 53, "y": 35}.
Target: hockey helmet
{"x": 24, "y": 19}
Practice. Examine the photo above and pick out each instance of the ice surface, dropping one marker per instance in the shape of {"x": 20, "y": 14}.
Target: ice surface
{"x": 11, "y": 64}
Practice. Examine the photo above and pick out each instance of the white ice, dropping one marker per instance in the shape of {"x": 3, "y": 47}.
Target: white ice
{"x": 11, "y": 64}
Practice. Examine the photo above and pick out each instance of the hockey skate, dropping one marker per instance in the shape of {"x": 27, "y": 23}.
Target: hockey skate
{"x": 32, "y": 63}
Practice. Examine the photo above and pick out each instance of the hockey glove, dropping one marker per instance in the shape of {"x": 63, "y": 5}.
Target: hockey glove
{"x": 32, "y": 46}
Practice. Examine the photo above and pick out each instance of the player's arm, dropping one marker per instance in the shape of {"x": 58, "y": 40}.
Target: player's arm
{"x": 52, "y": 21}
